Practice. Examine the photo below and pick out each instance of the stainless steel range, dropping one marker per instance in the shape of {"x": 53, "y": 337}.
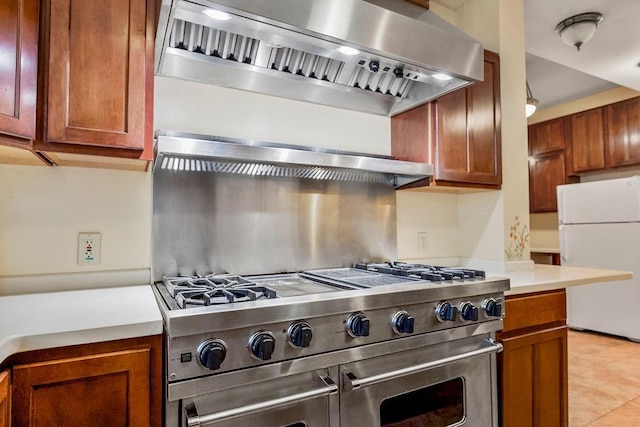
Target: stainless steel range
{"x": 335, "y": 342}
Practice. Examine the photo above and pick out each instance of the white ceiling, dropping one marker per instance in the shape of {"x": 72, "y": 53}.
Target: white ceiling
{"x": 558, "y": 73}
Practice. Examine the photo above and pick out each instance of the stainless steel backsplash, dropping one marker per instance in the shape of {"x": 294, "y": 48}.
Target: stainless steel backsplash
{"x": 217, "y": 222}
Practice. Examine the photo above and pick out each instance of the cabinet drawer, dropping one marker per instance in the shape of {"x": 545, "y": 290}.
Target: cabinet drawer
{"x": 527, "y": 311}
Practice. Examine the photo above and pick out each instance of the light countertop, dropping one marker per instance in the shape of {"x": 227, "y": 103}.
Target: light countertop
{"x": 56, "y": 319}
{"x": 551, "y": 277}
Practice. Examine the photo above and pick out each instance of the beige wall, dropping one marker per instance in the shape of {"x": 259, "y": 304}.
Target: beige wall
{"x": 44, "y": 208}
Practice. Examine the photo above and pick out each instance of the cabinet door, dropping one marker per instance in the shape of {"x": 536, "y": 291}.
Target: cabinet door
{"x": 623, "y": 133}
{"x": 109, "y": 389}
{"x": 451, "y": 156}
{"x": 546, "y": 137}
{"x": 19, "y": 58}
{"x": 4, "y": 399}
{"x": 546, "y": 172}
{"x": 467, "y": 135}
{"x": 95, "y": 72}
{"x": 534, "y": 379}
{"x": 483, "y": 121}
{"x": 587, "y": 140}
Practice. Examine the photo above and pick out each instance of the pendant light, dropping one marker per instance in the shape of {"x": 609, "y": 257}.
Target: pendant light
{"x": 532, "y": 103}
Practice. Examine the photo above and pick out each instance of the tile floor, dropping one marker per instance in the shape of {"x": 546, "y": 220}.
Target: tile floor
{"x": 604, "y": 381}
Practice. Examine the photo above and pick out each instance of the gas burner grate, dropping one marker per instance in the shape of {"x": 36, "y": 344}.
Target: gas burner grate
{"x": 214, "y": 290}
{"x": 423, "y": 271}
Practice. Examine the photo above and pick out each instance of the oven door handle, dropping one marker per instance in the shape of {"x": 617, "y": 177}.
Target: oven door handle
{"x": 352, "y": 382}
{"x": 193, "y": 419}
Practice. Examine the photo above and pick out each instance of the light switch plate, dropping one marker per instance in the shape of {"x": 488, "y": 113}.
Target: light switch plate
{"x": 89, "y": 248}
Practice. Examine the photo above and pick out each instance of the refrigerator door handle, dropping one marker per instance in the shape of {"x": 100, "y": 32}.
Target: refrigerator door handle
{"x": 563, "y": 245}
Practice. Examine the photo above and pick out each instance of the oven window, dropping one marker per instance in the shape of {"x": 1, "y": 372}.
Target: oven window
{"x": 438, "y": 405}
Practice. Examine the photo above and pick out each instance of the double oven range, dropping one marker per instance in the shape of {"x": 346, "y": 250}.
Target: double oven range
{"x": 336, "y": 342}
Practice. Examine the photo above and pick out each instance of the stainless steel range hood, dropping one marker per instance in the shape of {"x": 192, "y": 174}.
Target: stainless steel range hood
{"x": 185, "y": 152}
{"x": 289, "y": 48}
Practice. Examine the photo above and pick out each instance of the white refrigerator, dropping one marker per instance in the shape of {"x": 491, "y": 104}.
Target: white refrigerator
{"x": 599, "y": 224}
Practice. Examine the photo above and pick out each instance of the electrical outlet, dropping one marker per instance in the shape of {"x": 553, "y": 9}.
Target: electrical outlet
{"x": 89, "y": 248}
{"x": 423, "y": 242}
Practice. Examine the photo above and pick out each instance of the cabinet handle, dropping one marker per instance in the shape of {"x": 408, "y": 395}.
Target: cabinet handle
{"x": 193, "y": 419}
{"x": 352, "y": 382}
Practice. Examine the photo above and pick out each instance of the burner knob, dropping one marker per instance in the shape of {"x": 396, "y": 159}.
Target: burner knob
{"x": 262, "y": 344}
{"x": 300, "y": 334}
{"x": 402, "y": 323}
{"x": 374, "y": 66}
{"x": 445, "y": 311}
{"x": 492, "y": 308}
{"x": 358, "y": 325}
{"x": 212, "y": 353}
{"x": 468, "y": 311}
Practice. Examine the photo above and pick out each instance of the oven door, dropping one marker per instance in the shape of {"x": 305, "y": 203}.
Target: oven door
{"x": 447, "y": 384}
{"x": 301, "y": 400}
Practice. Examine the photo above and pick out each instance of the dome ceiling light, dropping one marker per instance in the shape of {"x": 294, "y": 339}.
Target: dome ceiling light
{"x": 578, "y": 29}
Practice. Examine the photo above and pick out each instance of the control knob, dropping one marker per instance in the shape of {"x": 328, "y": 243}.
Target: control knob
{"x": 358, "y": 325}
{"x": 468, "y": 311}
{"x": 492, "y": 308}
{"x": 398, "y": 72}
{"x": 211, "y": 354}
{"x": 300, "y": 334}
{"x": 445, "y": 311}
{"x": 402, "y": 323}
{"x": 262, "y": 344}
{"x": 374, "y": 66}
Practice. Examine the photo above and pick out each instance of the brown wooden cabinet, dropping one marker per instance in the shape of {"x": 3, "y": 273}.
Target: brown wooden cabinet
{"x": 546, "y": 137}
{"x": 18, "y": 79}
{"x": 586, "y": 130}
{"x": 115, "y": 383}
{"x": 459, "y": 133}
{"x": 533, "y": 366}
{"x": 546, "y": 164}
{"x": 93, "y": 62}
{"x": 623, "y": 132}
{"x": 546, "y": 172}
{"x": 5, "y": 409}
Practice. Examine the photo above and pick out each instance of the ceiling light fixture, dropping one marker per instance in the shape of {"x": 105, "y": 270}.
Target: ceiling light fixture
{"x": 578, "y": 29}
{"x": 217, "y": 14}
{"x": 532, "y": 103}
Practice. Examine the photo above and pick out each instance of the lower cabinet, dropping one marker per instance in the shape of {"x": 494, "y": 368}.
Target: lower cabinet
{"x": 111, "y": 384}
{"x": 533, "y": 366}
{"x": 5, "y": 409}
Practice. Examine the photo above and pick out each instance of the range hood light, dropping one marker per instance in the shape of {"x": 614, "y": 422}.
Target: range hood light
{"x": 217, "y": 14}
{"x": 441, "y": 76}
{"x": 348, "y": 50}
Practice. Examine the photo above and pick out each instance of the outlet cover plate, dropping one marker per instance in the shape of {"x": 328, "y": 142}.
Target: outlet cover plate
{"x": 89, "y": 245}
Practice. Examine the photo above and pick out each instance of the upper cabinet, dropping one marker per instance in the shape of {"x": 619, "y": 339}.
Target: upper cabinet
{"x": 623, "y": 132}
{"x": 587, "y": 140}
{"x": 18, "y": 79}
{"x": 459, "y": 133}
{"x": 596, "y": 140}
{"x": 546, "y": 137}
{"x": 95, "y": 80}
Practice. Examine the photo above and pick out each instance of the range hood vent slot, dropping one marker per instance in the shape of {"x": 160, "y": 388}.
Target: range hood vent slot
{"x": 290, "y": 49}
{"x": 189, "y": 153}
{"x": 209, "y": 41}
